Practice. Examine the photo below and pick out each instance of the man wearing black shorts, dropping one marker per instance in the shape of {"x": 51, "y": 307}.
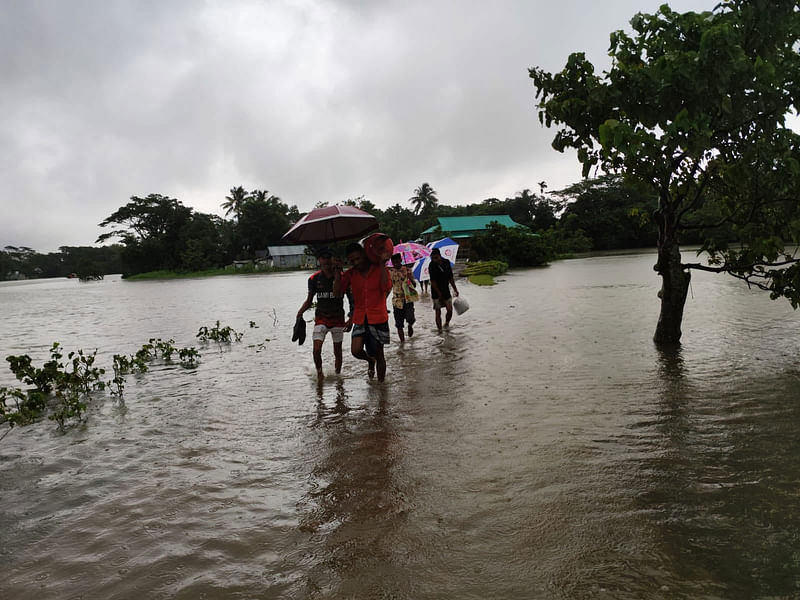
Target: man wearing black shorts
{"x": 441, "y": 274}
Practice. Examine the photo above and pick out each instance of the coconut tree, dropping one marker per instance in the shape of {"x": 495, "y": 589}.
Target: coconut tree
{"x": 234, "y": 202}
{"x": 542, "y": 187}
{"x": 424, "y": 199}
{"x": 259, "y": 195}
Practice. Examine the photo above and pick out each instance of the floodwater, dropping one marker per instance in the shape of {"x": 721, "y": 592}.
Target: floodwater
{"x": 540, "y": 448}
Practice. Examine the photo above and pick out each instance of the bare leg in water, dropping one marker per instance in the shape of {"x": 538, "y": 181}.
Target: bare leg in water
{"x": 357, "y": 349}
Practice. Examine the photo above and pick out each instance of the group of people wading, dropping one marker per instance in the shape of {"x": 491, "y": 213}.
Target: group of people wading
{"x": 367, "y": 284}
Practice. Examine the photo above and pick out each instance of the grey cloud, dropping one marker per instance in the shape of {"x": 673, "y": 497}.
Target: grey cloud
{"x": 313, "y": 101}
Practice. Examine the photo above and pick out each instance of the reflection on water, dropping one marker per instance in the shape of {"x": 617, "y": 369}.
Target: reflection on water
{"x": 540, "y": 448}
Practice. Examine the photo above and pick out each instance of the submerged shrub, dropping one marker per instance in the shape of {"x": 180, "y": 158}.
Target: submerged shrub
{"x": 221, "y": 335}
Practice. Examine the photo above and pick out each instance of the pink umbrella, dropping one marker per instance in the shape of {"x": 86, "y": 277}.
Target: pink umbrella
{"x": 330, "y": 224}
{"x": 410, "y": 252}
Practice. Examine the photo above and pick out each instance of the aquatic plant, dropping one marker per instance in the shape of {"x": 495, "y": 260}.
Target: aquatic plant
{"x": 65, "y": 386}
{"x": 221, "y": 335}
{"x": 84, "y": 376}
{"x": 70, "y": 383}
{"x": 70, "y": 405}
{"x": 188, "y": 356}
{"x": 121, "y": 366}
{"x": 27, "y": 406}
{"x": 43, "y": 379}
{"x": 138, "y": 362}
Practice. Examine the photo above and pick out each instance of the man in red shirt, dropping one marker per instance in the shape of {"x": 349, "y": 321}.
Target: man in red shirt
{"x": 369, "y": 284}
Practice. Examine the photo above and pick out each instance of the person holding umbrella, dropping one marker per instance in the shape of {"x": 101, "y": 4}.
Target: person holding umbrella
{"x": 329, "y": 316}
{"x": 370, "y": 284}
{"x": 441, "y": 274}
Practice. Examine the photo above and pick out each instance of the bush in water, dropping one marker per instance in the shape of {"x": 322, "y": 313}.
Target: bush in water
{"x": 219, "y": 334}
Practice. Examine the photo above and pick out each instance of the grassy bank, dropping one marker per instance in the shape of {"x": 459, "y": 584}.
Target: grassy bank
{"x": 484, "y": 272}
{"x": 482, "y": 279}
{"x": 150, "y": 275}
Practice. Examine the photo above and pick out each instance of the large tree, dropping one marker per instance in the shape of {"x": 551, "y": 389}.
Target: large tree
{"x": 694, "y": 106}
{"x": 150, "y": 229}
{"x": 263, "y": 222}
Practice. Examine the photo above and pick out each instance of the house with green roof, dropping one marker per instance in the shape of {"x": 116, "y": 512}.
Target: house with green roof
{"x": 461, "y": 229}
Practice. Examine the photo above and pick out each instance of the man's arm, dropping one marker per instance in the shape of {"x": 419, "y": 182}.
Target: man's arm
{"x": 386, "y": 281}
{"x": 409, "y": 276}
{"x": 349, "y": 323}
{"x": 341, "y": 281}
{"x": 453, "y": 283}
{"x": 305, "y": 305}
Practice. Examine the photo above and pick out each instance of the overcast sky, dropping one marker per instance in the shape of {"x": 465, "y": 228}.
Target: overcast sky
{"x": 312, "y": 100}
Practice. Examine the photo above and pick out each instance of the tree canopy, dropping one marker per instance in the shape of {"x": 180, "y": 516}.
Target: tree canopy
{"x": 424, "y": 199}
{"x": 694, "y": 106}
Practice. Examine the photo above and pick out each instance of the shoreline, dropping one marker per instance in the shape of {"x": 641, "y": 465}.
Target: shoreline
{"x": 163, "y": 274}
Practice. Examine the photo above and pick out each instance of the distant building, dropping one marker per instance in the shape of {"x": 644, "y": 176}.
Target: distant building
{"x": 286, "y": 257}
{"x": 461, "y": 229}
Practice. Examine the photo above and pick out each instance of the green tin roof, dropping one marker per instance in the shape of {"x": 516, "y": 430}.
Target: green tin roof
{"x": 455, "y": 225}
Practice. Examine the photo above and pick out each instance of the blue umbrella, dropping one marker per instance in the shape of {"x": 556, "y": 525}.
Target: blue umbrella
{"x": 420, "y": 269}
{"x": 447, "y": 247}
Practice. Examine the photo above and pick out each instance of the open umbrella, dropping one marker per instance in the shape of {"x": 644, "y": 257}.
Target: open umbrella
{"x": 330, "y": 224}
{"x": 410, "y": 252}
{"x": 448, "y": 249}
{"x": 420, "y": 269}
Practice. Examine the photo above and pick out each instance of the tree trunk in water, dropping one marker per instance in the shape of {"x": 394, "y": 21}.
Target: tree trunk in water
{"x": 674, "y": 286}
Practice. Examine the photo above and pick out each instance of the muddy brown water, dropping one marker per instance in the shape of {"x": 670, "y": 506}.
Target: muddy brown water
{"x": 540, "y": 448}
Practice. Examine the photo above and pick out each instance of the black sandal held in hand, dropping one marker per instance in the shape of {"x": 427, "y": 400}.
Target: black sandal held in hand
{"x": 299, "y": 332}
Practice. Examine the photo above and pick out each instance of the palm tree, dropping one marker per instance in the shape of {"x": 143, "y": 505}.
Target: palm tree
{"x": 424, "y": 199}
{"x": 259, "y": 195}
{"x": 542, "y": 187}
{"x": 234, "y": 202}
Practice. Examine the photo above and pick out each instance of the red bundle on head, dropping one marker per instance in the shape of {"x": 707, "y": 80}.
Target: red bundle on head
{"x": 379, "y": 247}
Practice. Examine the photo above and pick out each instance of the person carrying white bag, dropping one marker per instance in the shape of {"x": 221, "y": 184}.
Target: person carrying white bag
{"x": 441, "y": 274}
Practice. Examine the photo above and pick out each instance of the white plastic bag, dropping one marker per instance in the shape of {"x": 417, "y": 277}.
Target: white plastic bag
{"x": 460, "y": 304}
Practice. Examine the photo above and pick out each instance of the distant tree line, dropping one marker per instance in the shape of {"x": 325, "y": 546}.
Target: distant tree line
{"x": 161, "y": 233}
{"x": 18, "y": 262}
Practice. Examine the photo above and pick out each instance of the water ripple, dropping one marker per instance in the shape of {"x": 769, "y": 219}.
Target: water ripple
{"x": 540, "y": 447}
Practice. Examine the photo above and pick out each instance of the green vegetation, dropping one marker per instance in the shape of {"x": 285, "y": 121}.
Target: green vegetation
{"x": 221, "y": 335}
{"x": 80, "y": 261}
{"x": 515, "y": 246}
{"x": 66, "y": 387}
{"x": 159, "y": 233}
{"x": 693, "y": 110}
{"x": 69, "y": 384}
{"x": 63, "y": 388}
{"x": 483, "y": 273}
{"x": 243, "y": 270}
{"x": 163, "y": 239}
{"x": 482, "y": 279}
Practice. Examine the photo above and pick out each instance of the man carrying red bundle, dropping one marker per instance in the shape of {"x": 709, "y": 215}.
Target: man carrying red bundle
{"x": 370, "y": 284}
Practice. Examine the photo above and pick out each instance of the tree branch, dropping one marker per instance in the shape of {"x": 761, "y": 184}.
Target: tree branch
{"x": 732, "y": 271}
